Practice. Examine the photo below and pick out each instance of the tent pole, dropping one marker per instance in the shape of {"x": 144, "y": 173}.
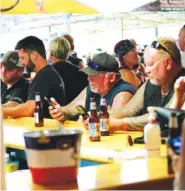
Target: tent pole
{"x": 156, "y": 32}
{"x": 121, "y": 28}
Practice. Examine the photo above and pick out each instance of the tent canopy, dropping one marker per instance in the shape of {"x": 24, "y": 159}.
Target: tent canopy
{"x": 44, "y": 6}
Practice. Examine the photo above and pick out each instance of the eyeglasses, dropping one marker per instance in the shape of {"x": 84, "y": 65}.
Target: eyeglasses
{"x": 158, "y": 46}
{"x": 97, "y": 67}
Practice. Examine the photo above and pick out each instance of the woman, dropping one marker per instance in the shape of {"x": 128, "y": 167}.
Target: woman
{"x": 128, "y": 58}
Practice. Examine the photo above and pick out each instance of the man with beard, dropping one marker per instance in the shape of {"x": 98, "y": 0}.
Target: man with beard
{"x": 163, "y": 67}
{"x": 32, "y": 55}
{"x": 14, "y": 88}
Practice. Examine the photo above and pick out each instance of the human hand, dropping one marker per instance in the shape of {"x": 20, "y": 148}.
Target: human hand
{"x": 55, "y": 111}
{"x": 179, "y": 87}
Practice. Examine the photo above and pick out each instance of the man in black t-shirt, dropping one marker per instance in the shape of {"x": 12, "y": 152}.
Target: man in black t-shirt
{"x": 74, "y": 80}
{"x": 73, "y": 59}
{"x": 47, "y": 81}
{"x": 14, "y": 88}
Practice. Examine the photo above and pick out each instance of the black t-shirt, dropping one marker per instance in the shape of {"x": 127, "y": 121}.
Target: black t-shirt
{"x": 74, "y": 80}
{"x": 18, "y": 92}
{"x": 74, "y": 60}
{"x": 49, "y": 83}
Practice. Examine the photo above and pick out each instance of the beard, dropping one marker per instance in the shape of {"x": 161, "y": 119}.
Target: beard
{"x": 154, "y": 82}
{"x": 30, "y": 66}
{"x": 9, "y": 80}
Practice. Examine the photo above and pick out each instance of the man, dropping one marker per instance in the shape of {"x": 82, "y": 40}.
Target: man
{"x": 47, "y": 81}
{"x": 104, "y": 79}
{"x": 73, "y": 59}
{"x": 14, "y": 88}
{"x": 163, "y": 67}
{"x": 74, "y": 80}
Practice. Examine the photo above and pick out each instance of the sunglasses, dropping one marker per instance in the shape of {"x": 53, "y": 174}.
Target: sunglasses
{"x": 158, "y": 46}
{"x": 93, "y": 65}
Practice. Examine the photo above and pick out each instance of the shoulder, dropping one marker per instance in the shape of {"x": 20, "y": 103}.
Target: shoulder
{"x": 124, "y": 86}
{"x": 74, "y": 60}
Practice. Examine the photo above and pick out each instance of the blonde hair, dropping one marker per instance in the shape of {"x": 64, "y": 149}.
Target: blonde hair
{"x": 170, "y": 44}
{"x": 60, "y": 47}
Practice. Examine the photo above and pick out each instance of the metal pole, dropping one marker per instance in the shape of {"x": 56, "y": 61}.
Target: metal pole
{"x": 121, "y": 28}
{"x": 156, "y": 32}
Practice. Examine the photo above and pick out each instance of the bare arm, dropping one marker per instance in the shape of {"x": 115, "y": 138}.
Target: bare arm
{"x": 121, "y": 99}
{"x": 21, "y": 110}
{"x": 133, "y": 107}
{"x": 69, "y": 111}
{"x": 126, "y": 118}
{"x": 130, "y": 77}
{"x": 11, "y": 104}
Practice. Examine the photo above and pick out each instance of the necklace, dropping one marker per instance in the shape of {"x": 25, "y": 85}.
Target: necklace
{"x": 164, "y": 91}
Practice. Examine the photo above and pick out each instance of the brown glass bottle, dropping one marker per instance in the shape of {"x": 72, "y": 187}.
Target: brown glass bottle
{"x": 94, "y": 124}
{"x": 38, "y": 114}
{"x": 173, "y": 136}
{"x": 104, "y": 118}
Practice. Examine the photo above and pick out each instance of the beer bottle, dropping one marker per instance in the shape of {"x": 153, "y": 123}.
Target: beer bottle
{"x": 174, "y": 141}
{"x": 104, "y": 117}
{"x": 94, "y": 124}
{"x": 38, "y": 114}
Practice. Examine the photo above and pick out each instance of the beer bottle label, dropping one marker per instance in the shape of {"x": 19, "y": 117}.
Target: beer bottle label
{"x": 92, "y": 106}
{"x": 104, "y": 124}
{"x": 94, "y": 130}
{"x": 102, "y": 102}
{"x": 36, "y": 116}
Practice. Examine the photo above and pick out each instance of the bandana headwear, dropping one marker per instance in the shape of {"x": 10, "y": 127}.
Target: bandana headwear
{"x": 123, "y": 47}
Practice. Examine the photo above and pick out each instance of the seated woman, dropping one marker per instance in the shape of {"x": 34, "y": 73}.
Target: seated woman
{"x": 128, "y": 58}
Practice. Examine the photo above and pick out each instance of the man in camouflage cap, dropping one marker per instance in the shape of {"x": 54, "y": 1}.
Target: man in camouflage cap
{"x": 14, "y": 87}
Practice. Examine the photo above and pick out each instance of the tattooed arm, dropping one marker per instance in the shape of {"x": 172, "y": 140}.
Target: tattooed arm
{"x": 128, "y": 117}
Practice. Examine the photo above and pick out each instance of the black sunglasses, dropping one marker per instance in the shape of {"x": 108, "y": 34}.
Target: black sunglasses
{"x": 158, "y": 46}
{"x": 97, "y": 67}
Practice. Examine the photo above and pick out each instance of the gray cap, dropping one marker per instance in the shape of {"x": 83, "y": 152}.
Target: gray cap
{"x": 11, "y": 60}
{"x": 101, "y": 63}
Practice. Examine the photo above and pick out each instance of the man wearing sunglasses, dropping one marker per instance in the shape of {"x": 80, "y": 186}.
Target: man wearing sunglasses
{"x": 104, "y": 80}
{"x": 163, "y": 67}
{"x": 14, "y": 88}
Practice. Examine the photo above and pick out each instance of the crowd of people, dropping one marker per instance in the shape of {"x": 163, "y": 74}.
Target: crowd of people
{"x": 128, "y": 86}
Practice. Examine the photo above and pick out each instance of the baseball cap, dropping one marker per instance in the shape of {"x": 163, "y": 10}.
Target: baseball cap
{"x": 101, "y": 63}
{"x": 11, "y": 60}
{"x": 123, "y": 47}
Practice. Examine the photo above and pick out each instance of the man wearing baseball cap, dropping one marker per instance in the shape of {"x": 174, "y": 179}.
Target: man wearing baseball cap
{"x": 104, "y": 80}
{"x": 14, "y": 88}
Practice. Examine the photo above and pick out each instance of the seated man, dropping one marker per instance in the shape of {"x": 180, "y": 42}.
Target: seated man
{"x": 74, "y": 80}
{"x": 104, "y": 79}
{"x": 47, "y": 81}
{"x": 14, "y": 88}
{"x": 163, "y": 67}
